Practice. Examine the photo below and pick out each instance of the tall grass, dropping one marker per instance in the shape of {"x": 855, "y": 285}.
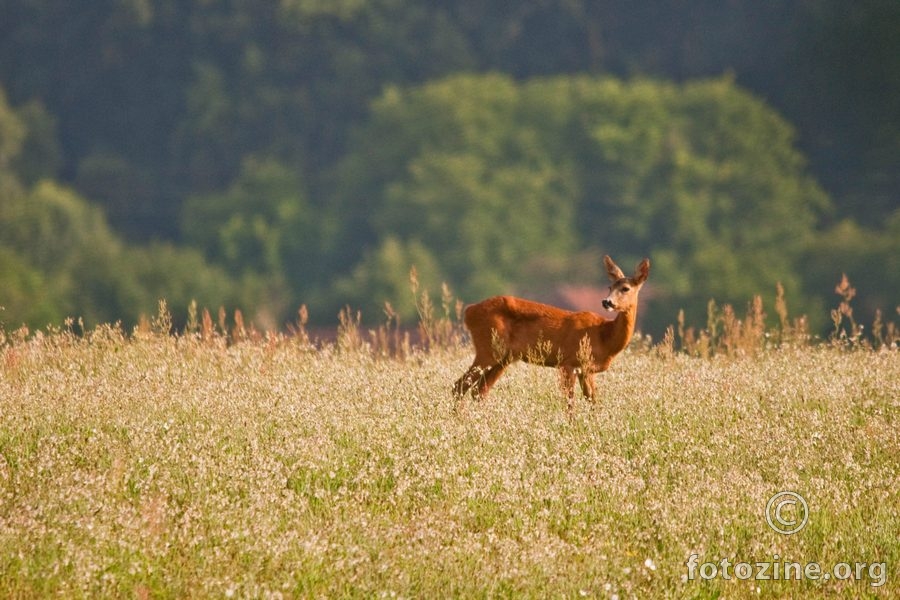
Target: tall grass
{"x": 220, "y": 464}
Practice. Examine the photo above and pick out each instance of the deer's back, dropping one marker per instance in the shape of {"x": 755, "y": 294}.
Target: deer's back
{"x": 522, "y": 323}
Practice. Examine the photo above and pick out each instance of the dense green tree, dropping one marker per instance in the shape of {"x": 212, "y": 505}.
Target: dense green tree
{"x": 383, "y": 276}
{"x": 262, "y": 223}
{"x": 462, "y": 175}
{"x": 112, "y": 72}
{"x": 869, "y": 257}
{"x": 26, "y": 296}
{"x": 12, "y": 134}
{"x": 40, "y": 156}
{"x": 59, "y": 257}
{"x": 263, "y": 229}
{"x": 67, "y": 240}
{"x": 182, "y": 275}
{"x": 708, "y": 179}
{"x": 489, "y": 175}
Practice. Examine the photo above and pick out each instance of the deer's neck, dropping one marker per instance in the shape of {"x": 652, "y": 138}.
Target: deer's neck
{"x": 617, "y": 333}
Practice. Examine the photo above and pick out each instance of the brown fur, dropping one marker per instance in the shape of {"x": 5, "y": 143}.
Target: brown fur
{"x": 580, "y": 344}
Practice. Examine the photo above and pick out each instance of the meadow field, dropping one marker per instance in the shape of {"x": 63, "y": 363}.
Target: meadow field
{"x": 150, "y": 465}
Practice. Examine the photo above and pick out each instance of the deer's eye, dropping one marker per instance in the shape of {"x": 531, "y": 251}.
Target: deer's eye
{"x": 626, "y": 289}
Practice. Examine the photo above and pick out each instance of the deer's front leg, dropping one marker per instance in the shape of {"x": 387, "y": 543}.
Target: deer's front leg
{"x": 586, "y": 379}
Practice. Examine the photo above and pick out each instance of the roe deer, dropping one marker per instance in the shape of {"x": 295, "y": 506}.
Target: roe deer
{"x": 506, "y": 329}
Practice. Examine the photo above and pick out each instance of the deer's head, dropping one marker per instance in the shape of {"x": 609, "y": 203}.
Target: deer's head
{"x": 623, "y": 292}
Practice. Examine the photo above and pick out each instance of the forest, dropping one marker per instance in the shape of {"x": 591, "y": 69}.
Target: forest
{"x": 269, "y": 154}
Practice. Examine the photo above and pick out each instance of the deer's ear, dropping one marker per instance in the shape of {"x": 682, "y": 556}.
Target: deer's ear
{"x": 612, "y": 269}
{"x": 642, "y": 271}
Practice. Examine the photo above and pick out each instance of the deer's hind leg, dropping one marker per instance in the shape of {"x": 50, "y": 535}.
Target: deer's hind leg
{"x": 468, "y": 379}
{"x": 567, "y": 383}
{"x": 490, "y": 377}
{"x": 479, "y": 379}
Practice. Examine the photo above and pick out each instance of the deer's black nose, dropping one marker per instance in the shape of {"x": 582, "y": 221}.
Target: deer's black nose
{"x": 607, "y": 304}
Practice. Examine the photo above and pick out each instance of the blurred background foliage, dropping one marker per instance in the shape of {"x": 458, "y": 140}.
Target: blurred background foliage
{"x": 270, "y": 153}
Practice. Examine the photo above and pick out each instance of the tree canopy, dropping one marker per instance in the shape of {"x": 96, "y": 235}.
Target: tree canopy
{"x": 60, "y": 258}
{"x": 704, "y": 178}
{"x": 282, "y": 152}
